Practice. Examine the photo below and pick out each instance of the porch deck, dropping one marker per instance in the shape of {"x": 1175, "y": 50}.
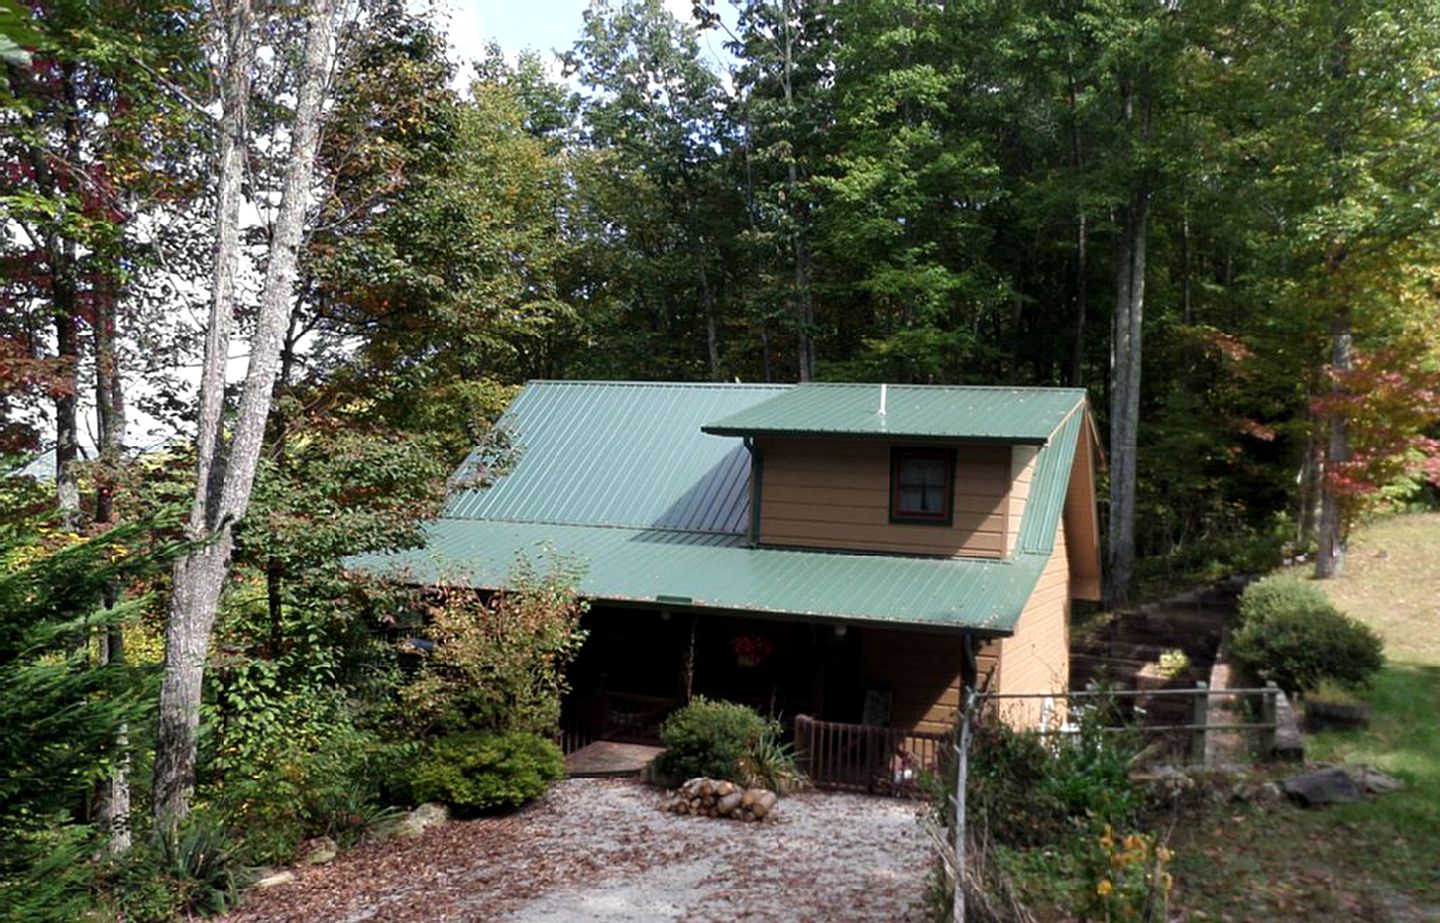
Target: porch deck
{"x": 609, "y": 759}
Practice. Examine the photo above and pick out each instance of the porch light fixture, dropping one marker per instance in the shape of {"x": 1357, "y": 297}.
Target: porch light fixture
{"x": 840, "y": 630}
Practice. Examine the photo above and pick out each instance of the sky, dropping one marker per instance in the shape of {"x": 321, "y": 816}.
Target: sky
{"x": 546, "y": 26}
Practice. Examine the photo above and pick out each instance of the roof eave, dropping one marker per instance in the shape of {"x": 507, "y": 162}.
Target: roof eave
{"x": 873, "y": 436}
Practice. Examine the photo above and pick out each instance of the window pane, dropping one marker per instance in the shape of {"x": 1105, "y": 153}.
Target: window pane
{"x": 921, "y": 485}
{"x": 911, "y": 499}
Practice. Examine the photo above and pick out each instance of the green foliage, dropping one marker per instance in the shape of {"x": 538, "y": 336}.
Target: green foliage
{"x": 195, "y": 870}
{"x": 62, "y": 710}
{"x": 770, "y": 763}
{"x": 1279, "y": 594}
{"x": 711, "y": 739}
{"x": 1126, "y": 878}
{"x": 498, "y": 663}
{"x": 1301, "y": 643}
{"x": 478, "y": 771}
{"x": 293, "y": 763}
{"x": 1026, "y": 790}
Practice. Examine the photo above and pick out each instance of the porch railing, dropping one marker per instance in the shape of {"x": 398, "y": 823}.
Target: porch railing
{"x": 860, "y": 758}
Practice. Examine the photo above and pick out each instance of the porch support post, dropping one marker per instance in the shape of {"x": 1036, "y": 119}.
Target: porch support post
{"x": 687, "y": 662}
{"x": 969, "y": 668}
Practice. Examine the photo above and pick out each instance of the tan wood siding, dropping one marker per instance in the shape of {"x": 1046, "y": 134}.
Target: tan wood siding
{"x": 1022, "y": 473}
{"x": 836, "y": 494}
{"x": 1036, "y": 658}
{"x": 922, "y": 674}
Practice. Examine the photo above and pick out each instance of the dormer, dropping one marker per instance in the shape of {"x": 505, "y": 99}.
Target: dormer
{"x": 932, "y": 471}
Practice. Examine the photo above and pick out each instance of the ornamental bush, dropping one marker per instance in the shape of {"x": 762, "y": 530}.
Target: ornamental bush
{"x": 476, "y": 771}
{"x": 1280, "y": 593}
{"x": 1301, "y": 646}
{"x": 711, "y": 739}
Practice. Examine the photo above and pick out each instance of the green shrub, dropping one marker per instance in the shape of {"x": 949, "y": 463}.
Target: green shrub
{"x": 295, "y": 766}
{"x": 1025, "y": 790}
{"x": 1280, "y": 593}
{"x": 478, "y": 771}
{"x": 1300, "y": 647}
{"x": 174, "y": 876}
{"x": 711, "y": 739}
{"x": 770, "y": 763}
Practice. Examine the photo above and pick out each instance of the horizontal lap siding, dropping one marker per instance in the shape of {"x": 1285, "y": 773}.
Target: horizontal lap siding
{"x": 1037, "y": 657}
{"x": 922, "y": 674}
{"x": 1022, "y": 472}
{"x": 836, "y": 494}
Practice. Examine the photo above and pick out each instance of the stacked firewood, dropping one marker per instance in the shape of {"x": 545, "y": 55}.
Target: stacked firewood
{"x": 719, "y": 798}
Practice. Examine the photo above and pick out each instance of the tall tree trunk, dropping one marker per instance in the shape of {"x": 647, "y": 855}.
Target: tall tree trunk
{"x": 199, "y": 577}
{"x": 1125, "y": 395}
{"x": 803, "y": 302}
{"x": 1330, "y": 556}
{"x": 1082, "y": 270}
{"x": 110, "y": 415}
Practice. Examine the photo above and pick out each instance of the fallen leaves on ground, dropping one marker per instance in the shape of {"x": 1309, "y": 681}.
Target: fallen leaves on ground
{"x": 600, "y": 850}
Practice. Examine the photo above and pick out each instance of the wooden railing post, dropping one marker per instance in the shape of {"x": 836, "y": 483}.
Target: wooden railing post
{"x": 1268, "y": 717}
{"x": 1199, "y": 715}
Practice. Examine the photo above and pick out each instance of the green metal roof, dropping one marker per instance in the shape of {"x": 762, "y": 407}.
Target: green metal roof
{"x": 1051, "y": 482}
{"x": 631, "y": 454}
{"x": 715, "y": 572}
{"x": 1013, "y": 415}
{"x": 618, "y": 479}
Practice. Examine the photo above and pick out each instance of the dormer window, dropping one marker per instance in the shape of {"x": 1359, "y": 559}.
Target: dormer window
{"x": 922, "y": 485}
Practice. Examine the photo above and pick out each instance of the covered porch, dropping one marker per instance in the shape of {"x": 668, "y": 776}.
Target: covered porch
{"x": 903, "y": 685}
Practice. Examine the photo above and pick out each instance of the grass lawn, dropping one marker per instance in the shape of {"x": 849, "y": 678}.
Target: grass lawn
{"x": 1377, "y": 860}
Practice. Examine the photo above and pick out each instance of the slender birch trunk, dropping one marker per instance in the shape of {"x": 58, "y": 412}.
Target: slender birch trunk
{"x": 226, "y": 472}
{"x": 1330, "y": 556}
{"x": 114, "y": 808}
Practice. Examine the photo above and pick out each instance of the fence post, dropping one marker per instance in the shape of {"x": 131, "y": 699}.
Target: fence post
{"x": 1269, "y": 719}
{"x": 962, "y": 771}
{"x": 1199, "y": 716}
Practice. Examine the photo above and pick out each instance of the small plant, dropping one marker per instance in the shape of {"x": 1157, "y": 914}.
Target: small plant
{"x": 476, "y": 771}
{"x": 1128, "y": 878}
{"x": 188, "y": 872}
{"x": 1299, "y": 648}
{"x": 711, "y": 739}
{"x": 1173, "y": 663}
{"x": 770, "y": 763}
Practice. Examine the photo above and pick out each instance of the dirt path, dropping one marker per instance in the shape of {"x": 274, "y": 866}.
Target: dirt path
{"x": 597, "y": 849}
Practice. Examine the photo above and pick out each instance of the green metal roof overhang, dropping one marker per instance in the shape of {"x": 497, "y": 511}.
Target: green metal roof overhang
{"x": 1015, "y": 416}
{"x": 720, "y": 572}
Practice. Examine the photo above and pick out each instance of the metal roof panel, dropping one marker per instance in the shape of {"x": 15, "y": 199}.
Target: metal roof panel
{"x": 720, "y": 572}
{"x": 617, "y": 454}
{"x": 1015, "y": 415}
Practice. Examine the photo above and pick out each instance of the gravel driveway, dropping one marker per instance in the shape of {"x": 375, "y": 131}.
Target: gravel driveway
{"x": 598, "y": 849}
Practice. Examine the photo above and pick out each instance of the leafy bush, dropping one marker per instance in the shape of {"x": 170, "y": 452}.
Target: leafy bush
{"x": 498, "y": 663}
{"x": 1026, "y": 790}
{"x": 293, "y": 764}
{"x": 711, "y": 739}
{"x": 1280, "y": 593}
{"x": 1298, "y": 648}
{"x": 476, "y": 771}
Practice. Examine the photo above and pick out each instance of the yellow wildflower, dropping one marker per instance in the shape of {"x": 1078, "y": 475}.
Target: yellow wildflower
{"x": 1104, "y": 887}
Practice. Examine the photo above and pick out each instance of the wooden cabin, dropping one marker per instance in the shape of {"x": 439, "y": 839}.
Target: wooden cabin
{"x": 875, "y": 548}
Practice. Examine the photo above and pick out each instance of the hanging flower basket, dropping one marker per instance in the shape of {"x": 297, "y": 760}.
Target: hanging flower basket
{"x": 750, "y": 649}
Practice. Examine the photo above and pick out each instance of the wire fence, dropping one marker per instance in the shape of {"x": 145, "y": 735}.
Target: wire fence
{"x": 1059, "y": 721}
